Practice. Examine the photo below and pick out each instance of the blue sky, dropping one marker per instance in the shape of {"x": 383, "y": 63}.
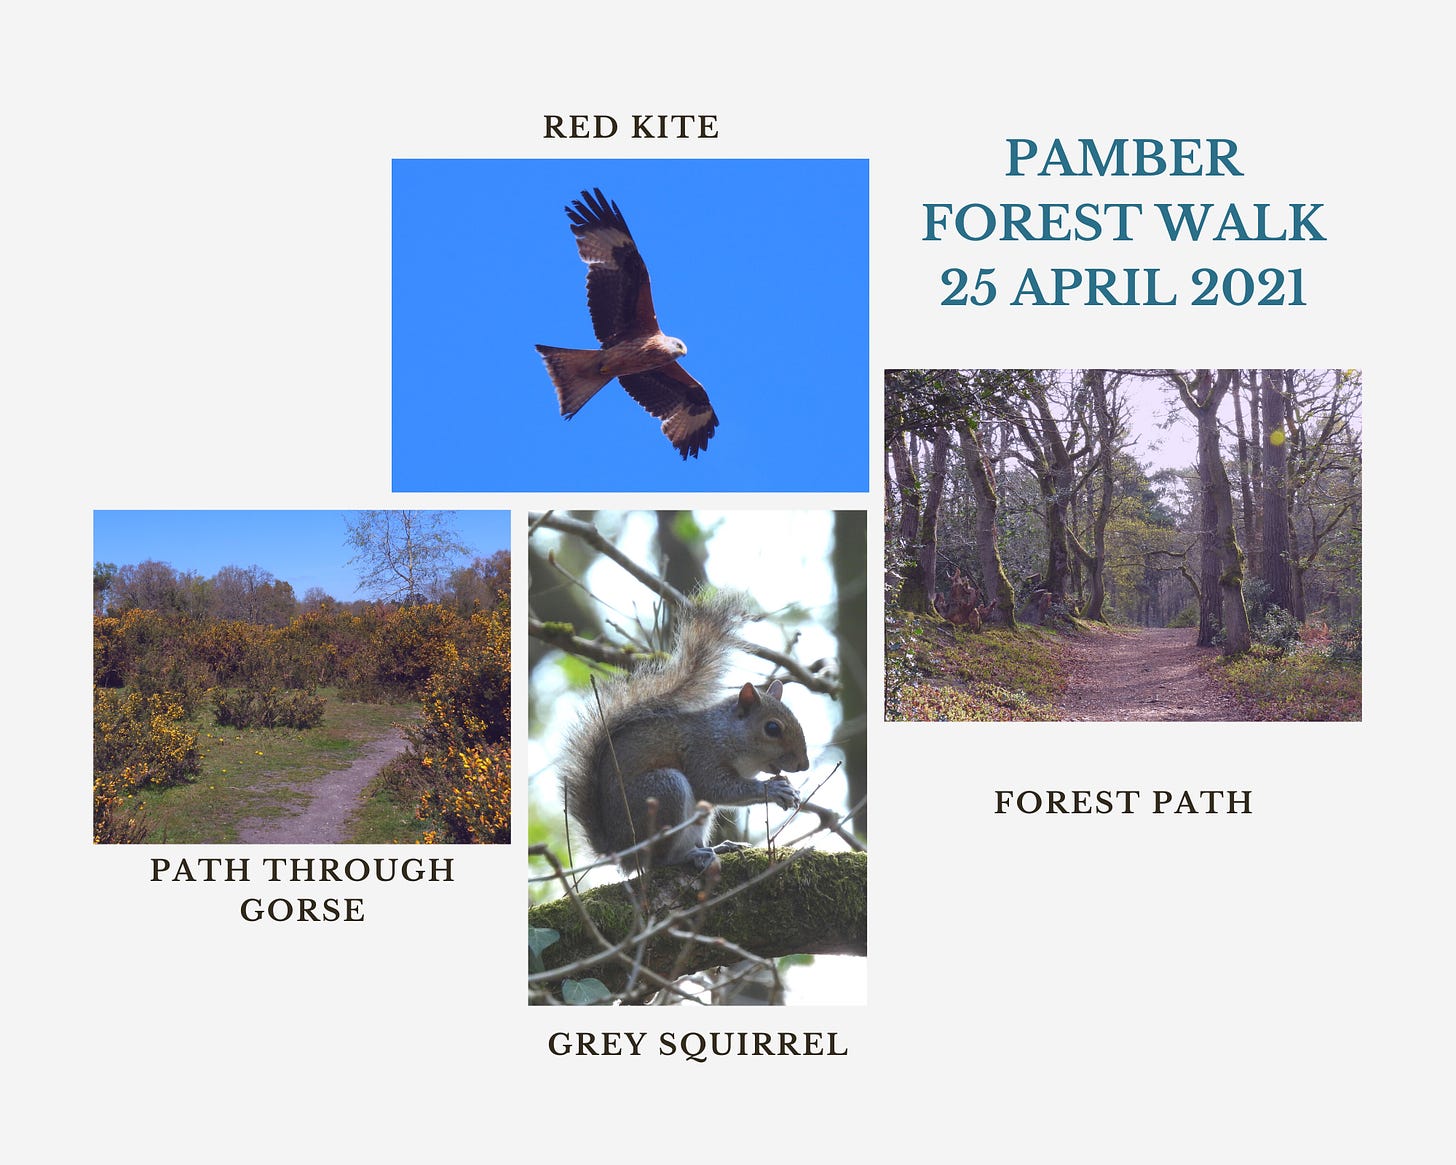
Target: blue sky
{"x": 303, "y": 547}
{"x": 760, "y": 267}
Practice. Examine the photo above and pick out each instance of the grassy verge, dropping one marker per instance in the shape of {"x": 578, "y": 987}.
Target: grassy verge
{"x": 263, "y": 772}
{"x": 1303, "y": 684}
{"x": 935, "y": 671}
{"x": 388, "y": 813}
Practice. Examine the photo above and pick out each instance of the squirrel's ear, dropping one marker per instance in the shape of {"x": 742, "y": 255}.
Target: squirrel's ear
{"x": 776, "y": 689}
{"x": 747, "y": 699}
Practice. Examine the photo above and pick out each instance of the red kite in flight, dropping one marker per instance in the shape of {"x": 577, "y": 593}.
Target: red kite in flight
{"x": 634, "y": 350}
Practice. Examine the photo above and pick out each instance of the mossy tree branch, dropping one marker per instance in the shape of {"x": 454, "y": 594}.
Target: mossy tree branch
{"x": 800, "y": 903}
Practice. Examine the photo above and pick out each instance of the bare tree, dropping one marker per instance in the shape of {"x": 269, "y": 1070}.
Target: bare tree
{"x": 103, "y": 574}
{"x": 402, "y": 554}
{"x": 481, "y": 585}
{"x": 919, "y": 410}
{"x": 924, "y": 408}
{"x": 1051, "y": 455}
{"x": 155, "y": 586}
{"x": 316, "y": 598}
{"x": 1323, "y": 471}
{"x": 252, "y": 594}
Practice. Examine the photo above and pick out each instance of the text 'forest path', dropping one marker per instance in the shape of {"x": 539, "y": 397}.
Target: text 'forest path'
{"x": 1149, "y": 673}
{"x": 334, "y": 795}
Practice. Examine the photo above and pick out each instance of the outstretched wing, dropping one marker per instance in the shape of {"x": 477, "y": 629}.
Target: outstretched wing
{"x": 618, "y": 292}
{"x": 679, "y": 402}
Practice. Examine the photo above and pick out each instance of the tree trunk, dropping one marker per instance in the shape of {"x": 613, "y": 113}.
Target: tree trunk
{"x": 1275, "y": 562}
{"x": 1058, "y": 553}
{"x": 1246, "y": 488}
{"x": 1061, "y": 467}
{"x": 1052, "y": 463}
{"x": 1256, "y": 473}
{"x": 1231, "y": 576}
{"x": 926, "y": 550}
{"x": 993, "y": 575}
{"x": 1106, "y": 438}
{"x": 1298, "y": 566}
{"x": 1210, "y": 597}
{"x": 912, "y": 596}
{"x": 1221, "y": 546}
{"x": 851, "y": 550}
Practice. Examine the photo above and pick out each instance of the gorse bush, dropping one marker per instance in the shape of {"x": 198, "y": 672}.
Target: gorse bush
{"x": 460, "y": 752}
{"x": 409, "y": 647}
{"x": 467, "y": 701}
{"x": 267, "y": 708}
{"x": 139, "y": 740}
{"x": 380, "y": 654}
{"x": 469, "y": 798}
{"x": 117, "y": 816}
{"x": 137, "y": 644}
{"x": 329, "y": 644}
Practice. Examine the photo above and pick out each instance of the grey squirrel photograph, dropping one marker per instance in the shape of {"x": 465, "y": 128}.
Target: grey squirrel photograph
{"x": 697, "y": 761}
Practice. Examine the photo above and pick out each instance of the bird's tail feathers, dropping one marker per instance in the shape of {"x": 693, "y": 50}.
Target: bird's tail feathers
{"x": 576, "y": 373}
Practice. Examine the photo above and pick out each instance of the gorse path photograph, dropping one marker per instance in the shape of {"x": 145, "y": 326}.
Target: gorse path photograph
{"x": 354, "y": 689}
{"x": 1123, "y": 544}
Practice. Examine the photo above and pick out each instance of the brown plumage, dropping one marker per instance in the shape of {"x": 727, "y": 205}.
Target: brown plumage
{"x": 634, "y": 350}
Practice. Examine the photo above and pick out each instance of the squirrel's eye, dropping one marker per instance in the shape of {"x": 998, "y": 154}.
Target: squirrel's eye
{"x": 773, "y": 728}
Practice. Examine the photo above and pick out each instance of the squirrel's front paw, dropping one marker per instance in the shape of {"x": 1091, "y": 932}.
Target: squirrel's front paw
{"x": 781, "y": 792}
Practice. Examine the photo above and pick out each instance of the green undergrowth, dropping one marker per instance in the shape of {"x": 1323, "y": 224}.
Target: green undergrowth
{"x": 261, "y": 772}
{"x": 388, "y": 814}
{"x": 935, "y": 671}
{"x": 1302, "y": 684}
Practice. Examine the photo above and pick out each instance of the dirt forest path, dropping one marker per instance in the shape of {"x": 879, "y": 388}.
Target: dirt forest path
{"x": 1149, "y": 673}
{"x": 334, "y": 795}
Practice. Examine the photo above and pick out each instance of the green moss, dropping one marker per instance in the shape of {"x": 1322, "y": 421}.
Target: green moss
{"x": 994, "y": 674}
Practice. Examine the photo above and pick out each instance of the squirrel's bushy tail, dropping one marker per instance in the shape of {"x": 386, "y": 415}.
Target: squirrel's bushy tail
{"x": 692, "y": 673}
{"x": 688, "y": 678}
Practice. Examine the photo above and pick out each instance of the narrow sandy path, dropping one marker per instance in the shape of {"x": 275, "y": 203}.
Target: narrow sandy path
{"x": 335, "y": 797}
{"x": 1149, "y": 673}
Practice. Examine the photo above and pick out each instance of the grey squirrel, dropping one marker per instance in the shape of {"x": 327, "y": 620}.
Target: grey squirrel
{"x": 665, "y": 731}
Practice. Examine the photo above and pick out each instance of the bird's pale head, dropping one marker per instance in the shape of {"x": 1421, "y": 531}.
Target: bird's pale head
{"x": 678, "y": 347}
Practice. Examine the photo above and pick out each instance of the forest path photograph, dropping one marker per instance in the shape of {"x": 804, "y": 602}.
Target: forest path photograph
{"x": 1123, "y": 544}
{"x": 333, "y": 799}
{"x": 1147, "y": 673}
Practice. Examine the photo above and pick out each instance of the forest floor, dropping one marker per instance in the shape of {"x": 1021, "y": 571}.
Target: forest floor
{"x": 333, "y": 799}
{"x": 1148, "y": 673}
